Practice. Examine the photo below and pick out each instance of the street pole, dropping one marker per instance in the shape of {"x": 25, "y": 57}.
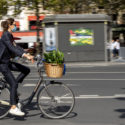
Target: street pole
{"x": 37, "y": 28}
{"x": 105, "y": 40}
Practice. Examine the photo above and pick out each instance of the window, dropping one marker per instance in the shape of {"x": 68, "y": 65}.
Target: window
{"x": 32, "y": 25}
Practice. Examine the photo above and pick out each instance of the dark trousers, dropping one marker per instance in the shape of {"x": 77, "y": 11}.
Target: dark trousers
{"x": 11, "y": 80}
{"x": 116, "y": 52}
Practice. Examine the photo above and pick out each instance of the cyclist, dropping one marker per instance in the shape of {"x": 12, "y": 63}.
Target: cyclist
{"x": 7, "y": 48}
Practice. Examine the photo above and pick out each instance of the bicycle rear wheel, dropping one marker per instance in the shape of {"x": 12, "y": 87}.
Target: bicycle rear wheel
{"x": 4, "y": 102}
{"x": 56, "y": 100}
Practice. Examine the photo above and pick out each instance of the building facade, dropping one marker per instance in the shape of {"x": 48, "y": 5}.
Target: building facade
{"x": 26, "y": 34}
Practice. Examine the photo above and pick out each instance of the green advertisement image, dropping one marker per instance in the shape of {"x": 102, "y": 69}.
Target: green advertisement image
{"x": 79, "y": 37}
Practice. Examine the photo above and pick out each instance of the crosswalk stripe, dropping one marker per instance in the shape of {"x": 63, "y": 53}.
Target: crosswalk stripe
{"x": 80, "y": 79}
{"x": 93, "y": 97}
{"x": 32, "y": 85}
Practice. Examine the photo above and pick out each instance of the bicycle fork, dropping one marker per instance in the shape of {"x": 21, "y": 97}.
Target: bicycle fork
{"x": 49, "y": 94}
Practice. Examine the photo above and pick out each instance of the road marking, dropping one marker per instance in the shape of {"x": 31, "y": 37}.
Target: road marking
{"x": 96, "y": 72}
{"x": 92, "y": 97}
{"x": 79, "y": 79}
{"x": 100, "y": 97}
{"x": 77, "y": 72}
{"x": 32, "y": 74}
{"x": 37, "y": 75}
{"x": 81, "y": 67}
{"x": 86, "y": 65}
{"x": 32, "y": 85}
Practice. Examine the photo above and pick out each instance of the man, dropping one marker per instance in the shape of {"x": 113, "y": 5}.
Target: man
{"x": 117, "y": 47}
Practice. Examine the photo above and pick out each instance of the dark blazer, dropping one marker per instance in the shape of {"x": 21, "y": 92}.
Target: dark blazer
{"x": 7, "y": 48}
{"x": 2, "y": 48}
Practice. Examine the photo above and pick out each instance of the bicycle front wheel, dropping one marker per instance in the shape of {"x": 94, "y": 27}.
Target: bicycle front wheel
{"x": 4, "y": 102}
{"x": 56, "y": 100}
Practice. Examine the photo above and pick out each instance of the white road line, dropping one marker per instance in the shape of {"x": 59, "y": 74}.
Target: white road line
{"x": 100, "y": 97}
{"x": 81, "y": 79}
{"x": 32, "y": 85}
{"x": 36, "y": 74}
{"x": 93, "y": 97}
{"x": 32, "y": 74}
{"x": 77, "y": 66}
{"x": 88, "y": 95}
{"x": 95, "y": 72}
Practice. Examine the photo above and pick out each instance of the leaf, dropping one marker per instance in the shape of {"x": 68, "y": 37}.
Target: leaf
{"x": 55, "y": 56}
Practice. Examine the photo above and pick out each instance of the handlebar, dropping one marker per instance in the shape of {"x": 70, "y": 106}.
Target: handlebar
{"x": 39, "y": 64}
{"x": 39, "y": 61}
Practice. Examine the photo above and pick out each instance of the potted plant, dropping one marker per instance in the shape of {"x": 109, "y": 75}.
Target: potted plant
{"x": 54, "y": 63}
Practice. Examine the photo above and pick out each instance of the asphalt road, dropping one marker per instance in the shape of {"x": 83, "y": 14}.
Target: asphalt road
{"x": 99, "y": 91}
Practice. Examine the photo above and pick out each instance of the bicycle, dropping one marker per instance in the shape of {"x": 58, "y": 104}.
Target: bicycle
{"x": 54, "y": 99}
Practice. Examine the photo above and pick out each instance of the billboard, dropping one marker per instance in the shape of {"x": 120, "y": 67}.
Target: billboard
{"x": 81, "y": 37}
{"x": 50, "y": 39}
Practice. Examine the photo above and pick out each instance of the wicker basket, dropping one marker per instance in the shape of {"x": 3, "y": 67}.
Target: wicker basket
{"x": 54, "y": 70}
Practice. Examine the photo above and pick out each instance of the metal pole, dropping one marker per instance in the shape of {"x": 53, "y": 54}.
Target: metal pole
{"x": 105, "y": 40}
{"x": 37, "y": 24}
{"x": 56, "y": 34}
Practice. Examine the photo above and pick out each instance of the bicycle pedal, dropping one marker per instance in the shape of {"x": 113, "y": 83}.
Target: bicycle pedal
{"x": 2, "y": 85}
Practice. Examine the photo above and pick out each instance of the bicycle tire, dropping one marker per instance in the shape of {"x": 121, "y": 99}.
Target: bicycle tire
{"x": 4, "y": 102}
{"x": 59, "y": 104}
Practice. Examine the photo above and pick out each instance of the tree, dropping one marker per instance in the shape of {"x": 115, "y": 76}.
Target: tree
{"x": 31, "y": 5}
{"x": 110, "y": 6}
{"x": 3, "y": 8}
{"x": 68, "y": 6}
{"x": 85, "y": 6}
{"x": 34, "y": 5}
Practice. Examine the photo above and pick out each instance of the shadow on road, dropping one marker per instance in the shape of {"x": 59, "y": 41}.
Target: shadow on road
{"x": 32, "y": 111}
{"x": 32, "y": 107}
{"x": 122, "y": 111}
{"x": 71, "y": 115}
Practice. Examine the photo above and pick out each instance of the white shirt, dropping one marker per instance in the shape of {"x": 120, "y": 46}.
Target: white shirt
{"x": 117, "y": 45}
{"x": 112, "y": 45}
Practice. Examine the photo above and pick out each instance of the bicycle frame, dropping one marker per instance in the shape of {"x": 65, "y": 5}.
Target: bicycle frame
{"x": 28, "y": 100}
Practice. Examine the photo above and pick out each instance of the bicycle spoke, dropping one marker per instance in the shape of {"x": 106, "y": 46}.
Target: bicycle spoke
{"x": 4, "y": 102}
{"x": 59, "y": 104}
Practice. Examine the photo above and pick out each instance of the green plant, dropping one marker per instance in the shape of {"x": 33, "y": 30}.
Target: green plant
{"x": 55, "y": 56}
